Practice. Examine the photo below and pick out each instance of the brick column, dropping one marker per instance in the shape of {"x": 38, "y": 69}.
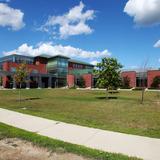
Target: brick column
{"x": 5, "y": 82}
{"x": 70, "y": 80}
{"x": 88, "y": 80}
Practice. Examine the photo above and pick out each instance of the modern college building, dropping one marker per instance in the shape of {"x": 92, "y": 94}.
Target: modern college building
{"x": 45, "y": 72}
{"x": 141, "y": 78}
{"x": 61, "y": 71}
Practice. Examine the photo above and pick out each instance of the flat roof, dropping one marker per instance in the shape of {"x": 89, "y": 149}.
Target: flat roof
{"x": 59, "y": 55}
{"x": 11, "y": 55}
{"x": 50, "y": 57}
{"x": 139, "y": 70}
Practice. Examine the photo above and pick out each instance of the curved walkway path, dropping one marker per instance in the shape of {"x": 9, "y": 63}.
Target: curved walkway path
{"x": 131, "y": 145}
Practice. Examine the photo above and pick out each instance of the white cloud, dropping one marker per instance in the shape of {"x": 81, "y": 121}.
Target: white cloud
{"x": 52, "y": 50}
{"x": 11, "y": 17}
{"x": 144, "y": 12}
{"x": 71, "y": 23}
{"x": 157, "y": 44}
{"x": 159, "y": 60}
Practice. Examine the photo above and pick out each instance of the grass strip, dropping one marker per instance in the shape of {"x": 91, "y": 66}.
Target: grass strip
{"x": 7, "y": 131}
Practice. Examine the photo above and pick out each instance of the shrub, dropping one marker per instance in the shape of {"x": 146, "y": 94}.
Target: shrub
{"x": 156, "y": 82}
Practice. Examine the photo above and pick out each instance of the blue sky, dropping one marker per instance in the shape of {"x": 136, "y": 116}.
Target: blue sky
{"x": 122, "y": 29}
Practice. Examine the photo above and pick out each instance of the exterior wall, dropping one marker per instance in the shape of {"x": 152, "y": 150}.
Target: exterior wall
{"x": 70, "y": 80}
{"x": 6, "y": 66}
{"x": 40, "y": 60}
{"x": 88, "y": 80}
{"x": 5, "y": 81}
{"x": 132, "y": 77}
{"x": 75, "y": 66}
{"x": 41, "y": 68}
{"x": 151, "y": 75}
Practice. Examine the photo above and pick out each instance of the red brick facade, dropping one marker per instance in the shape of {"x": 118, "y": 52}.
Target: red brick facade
{"x": 70, "y": 80}
{"x": 40, "y": 68}
{"x": 88, "y": 80}
{"x": 42, "y": 74}
{"x": 8, "y": 66}
{"x": 151, "y": 75}
{"x": 132, "y": 76}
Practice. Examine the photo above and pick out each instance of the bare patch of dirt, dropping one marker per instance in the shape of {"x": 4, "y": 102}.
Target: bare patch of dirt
{"x": 16, "y": 149}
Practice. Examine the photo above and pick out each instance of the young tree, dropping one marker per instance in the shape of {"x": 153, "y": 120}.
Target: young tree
{"x": 20, "y": 77}
{"x": 143, "y": 80}
{"x": 108, "y": 74}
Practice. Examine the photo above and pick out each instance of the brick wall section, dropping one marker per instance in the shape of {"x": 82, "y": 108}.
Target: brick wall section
{"x": 88, "y": 80}
{"x": 70, "y": 80}
{"x": 151, "y": 75}
{"x": 5, "y": 66}
{"x": 132, "y": 77}
{"x": 5, "y": 80}
{"x": 41, "y": 68}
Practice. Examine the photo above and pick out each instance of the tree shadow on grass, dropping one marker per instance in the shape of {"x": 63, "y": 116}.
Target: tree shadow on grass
{"x": 29, "y": 99}
{"x": 109, "y": 97}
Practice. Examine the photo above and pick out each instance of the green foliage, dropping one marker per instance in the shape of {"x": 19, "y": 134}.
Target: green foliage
{"x": 21, "y": 73}
{"x": 20, "y": 77}
{"x": 126, "y": 82}
{"x": 156, "y": 82}
{"x": 73, "y": 87}
{"x": 108, "y": 73}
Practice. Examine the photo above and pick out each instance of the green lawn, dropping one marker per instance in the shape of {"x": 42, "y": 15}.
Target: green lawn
{"x": 89, "y": 108}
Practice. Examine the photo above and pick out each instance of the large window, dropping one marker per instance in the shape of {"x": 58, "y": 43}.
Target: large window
{"x": 17, "y": 59}
{"x": 21, "y": 59}
{"x": 81, "y": 71}
{"x": 141, "y": 79}
{"x": 58, "y": 66}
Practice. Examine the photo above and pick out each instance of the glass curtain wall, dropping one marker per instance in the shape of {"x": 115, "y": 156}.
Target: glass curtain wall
{"x": 141, "y": 79}
{"x": 59, "y": 67}
{"x": 17, "y": 59}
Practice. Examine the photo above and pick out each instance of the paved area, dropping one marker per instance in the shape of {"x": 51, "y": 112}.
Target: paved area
{"x": 131, "y": 145}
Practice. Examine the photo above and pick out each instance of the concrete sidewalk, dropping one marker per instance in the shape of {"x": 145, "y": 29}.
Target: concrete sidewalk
{"x": 131, "y": 145}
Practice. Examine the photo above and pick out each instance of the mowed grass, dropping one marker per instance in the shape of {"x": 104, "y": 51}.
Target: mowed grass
{"x": 89, "y": 108}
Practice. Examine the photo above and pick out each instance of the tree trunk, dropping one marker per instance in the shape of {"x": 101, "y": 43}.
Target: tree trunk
{"x": 142, "y": 97}
{"x": 20, "y": 94}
